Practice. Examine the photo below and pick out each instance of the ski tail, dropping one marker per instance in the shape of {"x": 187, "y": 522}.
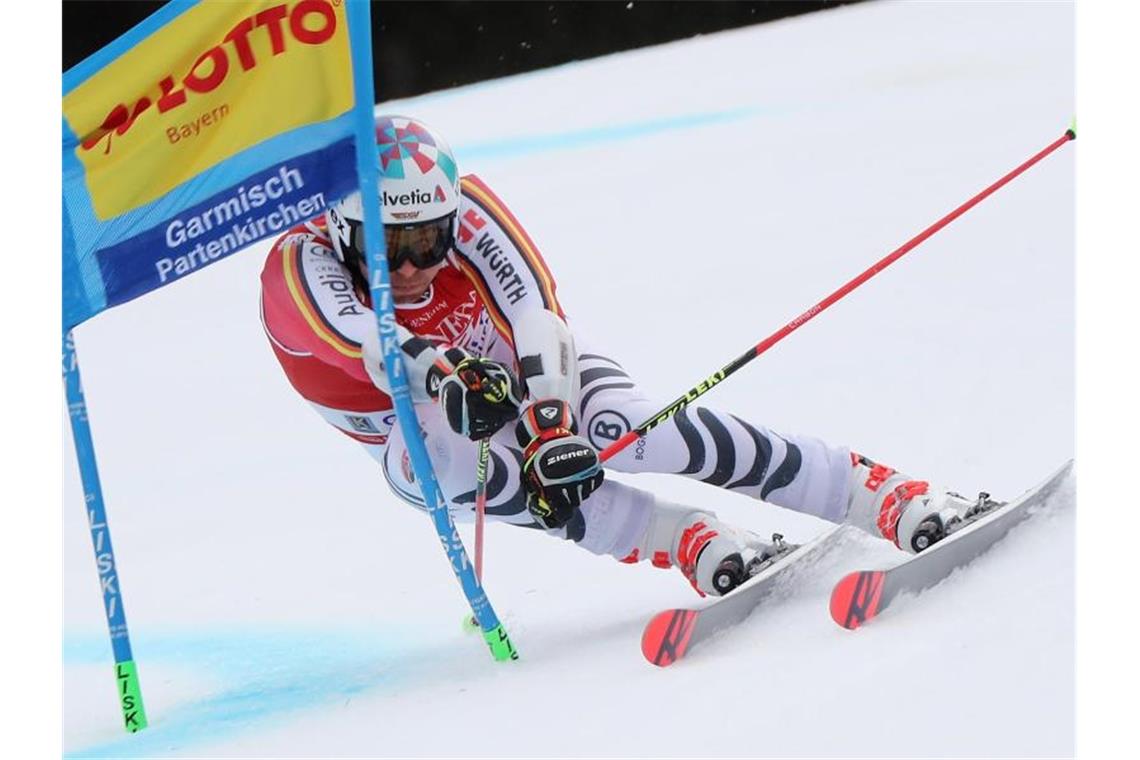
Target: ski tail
{"x": 666, "y": 638}
{"x": 856, "y": 598}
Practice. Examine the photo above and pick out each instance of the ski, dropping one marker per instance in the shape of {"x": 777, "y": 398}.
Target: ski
{"x": 672, "y": 634}
{"x": 862, "y": 595}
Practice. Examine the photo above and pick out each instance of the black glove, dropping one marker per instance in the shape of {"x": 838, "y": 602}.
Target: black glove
{"x": 479, "y": 396}
{"x": 560, "y": 468}
{"x": 432, "y": 362}
{"x": 426, "y": 363}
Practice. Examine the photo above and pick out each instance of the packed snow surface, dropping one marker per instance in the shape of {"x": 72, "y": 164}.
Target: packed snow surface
{"x": 691, "y": 199}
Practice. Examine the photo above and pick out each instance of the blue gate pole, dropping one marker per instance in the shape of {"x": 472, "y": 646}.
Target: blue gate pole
{"x": 368, "y": 173}
{"x": 126, "y": 674}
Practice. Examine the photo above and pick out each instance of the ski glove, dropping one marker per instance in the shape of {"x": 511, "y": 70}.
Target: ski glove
{"x": 560, "y": 468}
{"x": 426, "y": 363}
{"x": 479, "y": 396}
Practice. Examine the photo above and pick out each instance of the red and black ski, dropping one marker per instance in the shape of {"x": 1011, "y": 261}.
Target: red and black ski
{"x": 671, "y": 634}
{"x": 860, "y": 596}
{"x": 666, "y": 638}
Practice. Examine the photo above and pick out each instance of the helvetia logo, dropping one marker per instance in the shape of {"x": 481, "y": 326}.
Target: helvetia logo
{"x": 440, "y": 196}
{"x": 406, "y": 199}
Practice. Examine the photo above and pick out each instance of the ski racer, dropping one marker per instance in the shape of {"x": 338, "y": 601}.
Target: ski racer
{"x": 490, "y": 352}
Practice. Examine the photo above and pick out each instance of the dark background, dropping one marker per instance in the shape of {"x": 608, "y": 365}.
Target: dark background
{"x": 424, "y": 46}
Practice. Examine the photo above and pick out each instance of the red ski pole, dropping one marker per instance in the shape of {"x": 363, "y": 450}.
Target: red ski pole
{"x": 481, "y": 463}
{"x": 705, "y": 385}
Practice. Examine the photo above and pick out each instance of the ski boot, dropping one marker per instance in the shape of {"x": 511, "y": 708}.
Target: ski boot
{"x": 714, "y": 557}
{"x": 909, "y": 513}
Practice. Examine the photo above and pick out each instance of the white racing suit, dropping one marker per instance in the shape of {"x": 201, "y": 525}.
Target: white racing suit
{"x": 799, "y": 473}
{"x": 488, "y": 301}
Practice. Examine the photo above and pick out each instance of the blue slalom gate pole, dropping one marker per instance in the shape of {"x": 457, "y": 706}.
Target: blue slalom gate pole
{"x": 126, "y": 674}
{"x": 368, "y": 173}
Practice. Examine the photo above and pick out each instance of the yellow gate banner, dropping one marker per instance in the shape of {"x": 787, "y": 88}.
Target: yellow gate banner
{"x": 230, "y": 112}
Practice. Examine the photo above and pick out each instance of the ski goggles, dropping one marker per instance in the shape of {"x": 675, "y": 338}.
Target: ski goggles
{"x": 425, "y": 244}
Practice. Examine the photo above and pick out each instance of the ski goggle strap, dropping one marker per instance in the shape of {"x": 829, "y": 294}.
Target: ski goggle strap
{"x": 425, "y": 244}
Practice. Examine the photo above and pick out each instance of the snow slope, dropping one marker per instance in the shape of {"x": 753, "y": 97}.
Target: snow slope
{"x": 691, "y": 198}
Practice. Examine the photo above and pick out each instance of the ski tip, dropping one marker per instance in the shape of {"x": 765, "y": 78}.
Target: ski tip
{"x": 855, "y": 599}
{"x": 666, "y": 637}
{"x": 841, "y": 599}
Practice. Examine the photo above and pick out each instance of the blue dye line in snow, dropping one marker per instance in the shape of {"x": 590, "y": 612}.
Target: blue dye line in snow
{"x": 262, "y": 679}
{"x": 530, "y": 144}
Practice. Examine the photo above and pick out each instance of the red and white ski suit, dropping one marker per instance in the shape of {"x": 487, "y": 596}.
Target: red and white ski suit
{"x": 317, "y": 317}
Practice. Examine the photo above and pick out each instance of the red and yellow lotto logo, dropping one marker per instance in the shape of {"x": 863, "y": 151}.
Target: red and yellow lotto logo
{"x": 218, "y": 79}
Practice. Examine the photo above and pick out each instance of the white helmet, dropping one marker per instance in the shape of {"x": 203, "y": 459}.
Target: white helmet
{"x": 419, "y": 198}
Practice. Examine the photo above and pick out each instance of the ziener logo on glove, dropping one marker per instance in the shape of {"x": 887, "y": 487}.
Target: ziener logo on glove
{"x": 569, "y": 455}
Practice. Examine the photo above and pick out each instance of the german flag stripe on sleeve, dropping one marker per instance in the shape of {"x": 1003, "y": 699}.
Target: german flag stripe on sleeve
{"x": 307, "y": 306}
{"x": 474, "y": 188}
{"x": 498, "y": 318}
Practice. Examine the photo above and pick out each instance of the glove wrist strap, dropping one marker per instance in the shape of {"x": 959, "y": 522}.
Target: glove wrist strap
{"x": 549, "y": 414}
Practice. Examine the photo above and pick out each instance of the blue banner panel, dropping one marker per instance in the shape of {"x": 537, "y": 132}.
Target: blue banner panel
{"x": 266, "y": 203}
